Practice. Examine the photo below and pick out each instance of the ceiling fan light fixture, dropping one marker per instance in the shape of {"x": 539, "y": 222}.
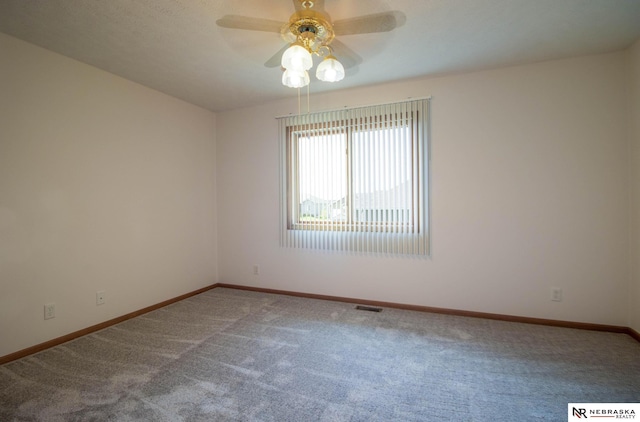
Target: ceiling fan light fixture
{"x": 297, "y": 58}
{"x": 330, "y": 70}
{"x": 309, "y": 32}
{"x": 295, "y": 79}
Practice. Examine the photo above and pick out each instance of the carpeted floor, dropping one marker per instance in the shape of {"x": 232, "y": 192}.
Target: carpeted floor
{"x": 232, "y": 355}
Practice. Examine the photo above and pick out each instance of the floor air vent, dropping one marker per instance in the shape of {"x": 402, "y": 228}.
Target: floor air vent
{"x": 368, "y": 308}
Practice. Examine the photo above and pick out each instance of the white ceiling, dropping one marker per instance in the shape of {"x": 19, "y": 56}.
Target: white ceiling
{"x": 175, "y": 46}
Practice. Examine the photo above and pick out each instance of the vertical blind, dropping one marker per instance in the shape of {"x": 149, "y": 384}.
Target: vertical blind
{"x": 356, "y": 179}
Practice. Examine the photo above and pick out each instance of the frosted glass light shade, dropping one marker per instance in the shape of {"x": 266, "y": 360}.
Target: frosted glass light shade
{"x": 297, "y": 58}
{"x": 330, "y": 70}
{"x": 295, "y": 79}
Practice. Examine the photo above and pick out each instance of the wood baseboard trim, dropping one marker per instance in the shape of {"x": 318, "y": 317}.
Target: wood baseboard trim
{"x": 510, "y": 318}
{"x": 457, "y": 312}
{"x": 71, "y": 336}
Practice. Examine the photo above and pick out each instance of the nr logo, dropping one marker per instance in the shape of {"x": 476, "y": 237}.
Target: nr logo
{"x": 580, "y": 413}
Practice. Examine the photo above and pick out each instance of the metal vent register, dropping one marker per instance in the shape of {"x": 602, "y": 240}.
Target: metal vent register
{"x": 368, "y": 308}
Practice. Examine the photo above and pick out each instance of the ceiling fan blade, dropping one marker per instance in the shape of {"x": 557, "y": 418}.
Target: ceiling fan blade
{"x": 276, "y": 59}
{"x": 367, "y": 24}
{"x": 345, "y": 55}
{"x": 251, "y": 24}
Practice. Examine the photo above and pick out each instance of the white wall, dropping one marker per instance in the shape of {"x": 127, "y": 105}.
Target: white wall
{"x": 104, "y": 185}
{"x": 530, "y": 189}
{"x": 634, "y": 296}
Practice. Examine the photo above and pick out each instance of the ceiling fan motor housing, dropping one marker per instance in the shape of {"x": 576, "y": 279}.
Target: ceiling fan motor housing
{"x": 313, "y": 28}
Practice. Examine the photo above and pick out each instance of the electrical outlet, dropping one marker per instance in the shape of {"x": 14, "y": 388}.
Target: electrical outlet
{"x": 100, "y": 297}
{"x": 556, "y": 294}
{"x": 49, "y": 310}
{"x": 256, "y": 270}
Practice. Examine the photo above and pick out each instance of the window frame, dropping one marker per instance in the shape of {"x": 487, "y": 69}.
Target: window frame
{"x": 348, "y": 128}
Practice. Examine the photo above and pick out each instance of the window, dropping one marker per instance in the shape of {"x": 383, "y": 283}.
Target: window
{"x": 356, "y": 179}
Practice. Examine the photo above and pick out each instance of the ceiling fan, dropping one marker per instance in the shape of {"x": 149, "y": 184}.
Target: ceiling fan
{"x": 311, "y": 31}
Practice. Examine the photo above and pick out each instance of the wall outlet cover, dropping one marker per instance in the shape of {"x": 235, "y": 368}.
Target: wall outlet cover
{"x": 49, "y": 310}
